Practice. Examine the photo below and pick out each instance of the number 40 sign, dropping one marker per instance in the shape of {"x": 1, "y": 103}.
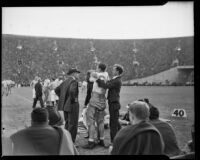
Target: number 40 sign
{"x": 179, "y": 113}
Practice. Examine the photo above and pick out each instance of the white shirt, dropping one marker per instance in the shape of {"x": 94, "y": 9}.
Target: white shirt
{"x": 46, "y": 82}
{"x": 103, "y": 76}
{"x": 115, "y": 77}
{"x": 60, "y": 81}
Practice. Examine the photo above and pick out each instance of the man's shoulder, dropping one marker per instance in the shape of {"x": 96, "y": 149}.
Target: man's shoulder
{"x": 19, "y": 133}
{"x": 116, "y": 81}
{"x": 145, "y": 127}
{"x": 160, "y": 124}
{"x": 68, "y": 80}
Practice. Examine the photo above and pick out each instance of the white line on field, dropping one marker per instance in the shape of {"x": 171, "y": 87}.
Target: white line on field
{"x": 24, "y": 98}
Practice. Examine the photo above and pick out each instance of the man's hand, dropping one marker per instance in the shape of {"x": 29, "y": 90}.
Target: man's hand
{"x": 84, "y": 107}
{"x": 98, "y": 81}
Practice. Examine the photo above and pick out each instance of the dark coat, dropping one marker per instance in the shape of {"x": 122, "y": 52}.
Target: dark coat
{"x": 169, "y": 137}
{"x": 38, "y": 89}
{"x": 139, "y": 139}
{"x": 114, "y": 86}
{"x": 36, "y": 140}
{"x": 68, "y": 94}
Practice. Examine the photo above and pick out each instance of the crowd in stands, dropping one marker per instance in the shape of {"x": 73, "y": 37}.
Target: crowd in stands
{"x": 39, "y": 56}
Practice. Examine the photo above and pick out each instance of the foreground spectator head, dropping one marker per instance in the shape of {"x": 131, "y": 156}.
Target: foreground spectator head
{"x": 138, "y": 111}
{"x": 39, "y": 116}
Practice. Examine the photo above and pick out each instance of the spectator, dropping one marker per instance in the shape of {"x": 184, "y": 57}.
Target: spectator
{"x": 53, "y": 95}
{"x": 41, "y": 138}
{"x": 38, "y": 94}
{"x": 141, "y": 137}
{"x": 167, "y": 132}
{"x": 46, "y": 90}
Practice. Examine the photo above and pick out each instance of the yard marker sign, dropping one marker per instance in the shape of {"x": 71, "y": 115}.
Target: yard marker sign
{"x": 179, "y": 113}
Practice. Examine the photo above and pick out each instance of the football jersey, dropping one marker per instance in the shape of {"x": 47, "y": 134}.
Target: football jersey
{"x": 103, "y": 76}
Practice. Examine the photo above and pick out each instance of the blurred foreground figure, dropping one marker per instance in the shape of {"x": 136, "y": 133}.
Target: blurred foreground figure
{"x": 167, "y": 132}
{"x": 41, "y": 138}
{"x": 139, "y": 138}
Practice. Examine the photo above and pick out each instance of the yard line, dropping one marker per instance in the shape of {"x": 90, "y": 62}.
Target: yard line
{"x": 24, "y": 98}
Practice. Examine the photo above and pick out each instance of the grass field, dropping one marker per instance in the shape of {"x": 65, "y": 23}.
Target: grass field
{"x": 16, "y": 109}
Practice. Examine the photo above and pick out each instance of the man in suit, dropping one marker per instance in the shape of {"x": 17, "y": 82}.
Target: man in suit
{"x": 114, "y": 86}
{"x": 68, "y": 92}
{"x": 38, "y": 94}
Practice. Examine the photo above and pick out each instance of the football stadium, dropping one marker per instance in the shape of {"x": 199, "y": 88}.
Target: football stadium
{"x": 160, "y": 70}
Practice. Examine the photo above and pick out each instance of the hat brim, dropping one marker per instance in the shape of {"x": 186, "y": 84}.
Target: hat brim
{"x": 73, "y": 72}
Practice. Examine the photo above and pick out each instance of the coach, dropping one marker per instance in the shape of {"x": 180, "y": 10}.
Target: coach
{"x": 68, "y": 101}
{"x": 114, "y": 86}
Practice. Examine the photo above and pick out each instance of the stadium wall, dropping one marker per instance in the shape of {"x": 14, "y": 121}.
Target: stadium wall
{"x": 179, "y": 75}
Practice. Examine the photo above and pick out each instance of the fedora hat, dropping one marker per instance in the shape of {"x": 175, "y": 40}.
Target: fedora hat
{"x": 73, "y": 70}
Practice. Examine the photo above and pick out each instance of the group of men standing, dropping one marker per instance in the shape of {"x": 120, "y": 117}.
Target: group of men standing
{"x": 142, "y": 136}
{"x": 98, "y": 83}
{"x": 68, "y": 102}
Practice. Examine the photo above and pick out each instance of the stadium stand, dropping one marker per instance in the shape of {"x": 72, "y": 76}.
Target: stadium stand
{"x": 52, "y": 56}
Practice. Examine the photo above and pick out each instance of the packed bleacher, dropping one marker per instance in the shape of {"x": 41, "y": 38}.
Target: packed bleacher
{"x": 24, "y": 56}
